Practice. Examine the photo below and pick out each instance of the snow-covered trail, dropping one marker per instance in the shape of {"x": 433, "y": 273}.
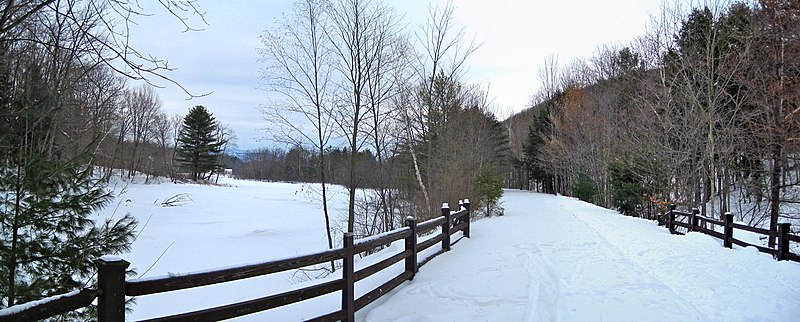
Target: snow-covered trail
{"x": 558, "y": 259}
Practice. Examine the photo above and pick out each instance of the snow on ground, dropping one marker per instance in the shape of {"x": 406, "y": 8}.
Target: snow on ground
{"x": 558, "y": 259}
{"x": 548, "y": 259}
{"x": 239, "y": 223}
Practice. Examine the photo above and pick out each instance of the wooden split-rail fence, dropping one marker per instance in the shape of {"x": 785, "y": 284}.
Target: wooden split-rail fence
{"x": 112, "y": 288}
{"x": 693, "y": 221}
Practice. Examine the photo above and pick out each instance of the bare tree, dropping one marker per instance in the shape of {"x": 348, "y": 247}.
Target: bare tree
{"x": 111, "y": 32}
{"x": 143, "y": 107}
{"x": 361, "y": 31}
{"x": 548, "y": 75}
{"x": 228, "y": 139}
{"x": 164, "y": 136}
{"x": 297, "y": 53}
{"x": 383, "y": 85}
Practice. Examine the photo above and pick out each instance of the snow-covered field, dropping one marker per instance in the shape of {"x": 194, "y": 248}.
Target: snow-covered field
{"x": 548, "y": 259}
{"x": 238, "y": 223}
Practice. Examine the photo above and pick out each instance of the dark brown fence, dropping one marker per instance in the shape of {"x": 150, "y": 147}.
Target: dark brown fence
{"x": 112, "y": 287}
{"x": 693, "y": 221}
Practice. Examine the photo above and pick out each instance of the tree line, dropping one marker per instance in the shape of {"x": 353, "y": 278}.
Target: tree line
{"x": 298, "y": 164}
{"x": 366, "y": 101}
{"x": 702, "y": 111}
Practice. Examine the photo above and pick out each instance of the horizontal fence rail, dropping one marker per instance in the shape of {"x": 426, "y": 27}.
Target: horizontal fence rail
{"x": 112, "y": 288}
{"x": 56, "y": 305}
{"x": 173, "y": 283}
{"x": 693, "y": 221}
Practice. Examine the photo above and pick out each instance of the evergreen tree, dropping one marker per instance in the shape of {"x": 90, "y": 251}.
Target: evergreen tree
{"x": 634, "y": 182}
{"x": 626, "y": 188}
{"x": 48, "y": 238}
{"x": 533, "y": 146}
{"x": 585, "y": 188}
{"x": 47, "y": 194}
{"x": 490, "y": 187}
{"x": 199, "y": 144}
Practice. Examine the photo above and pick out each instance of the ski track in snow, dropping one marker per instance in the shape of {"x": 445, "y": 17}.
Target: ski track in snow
{"x": 558, "y": 259}
{"x": 543, "y": 297}
{"x": 728, "y": 285}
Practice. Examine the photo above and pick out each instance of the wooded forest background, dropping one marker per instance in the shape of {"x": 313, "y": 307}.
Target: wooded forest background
{"x": 701, "y": 111}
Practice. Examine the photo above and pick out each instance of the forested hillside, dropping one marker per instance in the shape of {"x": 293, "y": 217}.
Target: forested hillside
{"x": 701, "y": 110}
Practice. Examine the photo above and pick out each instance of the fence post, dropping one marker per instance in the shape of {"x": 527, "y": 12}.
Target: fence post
{"x": 695, "y": 222}
{"x": 111, "y": 287}
{"x": 348, "y": 277}
{"x": 466, "y": 218}
{"x": 728, "y": 221}
{"x": 671, "y": 219}
{"x": 446, "y": 227}
{"x": 411, "y": 244}
{"x": 783, "y": 241}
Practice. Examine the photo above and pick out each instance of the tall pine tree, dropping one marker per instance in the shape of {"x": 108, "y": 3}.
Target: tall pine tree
{"x": 199, "y": 144}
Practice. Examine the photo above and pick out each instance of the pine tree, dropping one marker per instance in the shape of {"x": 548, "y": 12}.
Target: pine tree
{"x": 625, "y": 186}
{"x": 47, "y": 194}
{"x": 532, "y": 149}
{"x": 585, "y": 188}
{"x": 199, "y": 145}
{"x": 490, "y": 187}
{"x": 48, "y": 237}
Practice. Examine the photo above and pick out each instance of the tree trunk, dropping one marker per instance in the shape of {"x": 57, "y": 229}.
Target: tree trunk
{"x": 415, "y": 161}
{"x": 351, "y": 187}
{"x": 325, "y": 202}
{"x": 11, "y": 262}
{"x": 775, "y": 193}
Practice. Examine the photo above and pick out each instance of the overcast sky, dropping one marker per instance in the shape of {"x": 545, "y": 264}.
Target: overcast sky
{"x": 516, "y": 36}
